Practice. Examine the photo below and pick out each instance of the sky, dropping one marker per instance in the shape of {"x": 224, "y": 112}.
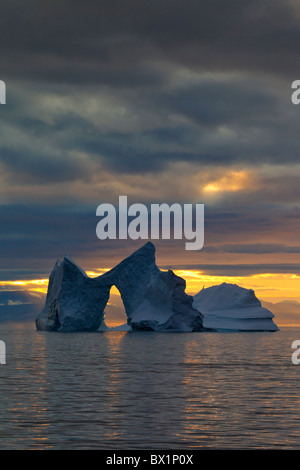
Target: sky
{"x": 162, "y": 101}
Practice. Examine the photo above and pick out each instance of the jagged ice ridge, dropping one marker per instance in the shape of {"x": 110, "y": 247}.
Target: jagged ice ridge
{"x": 154, "y": 300}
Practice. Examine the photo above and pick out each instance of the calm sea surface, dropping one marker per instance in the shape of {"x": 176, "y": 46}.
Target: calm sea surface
{"x": 118, "y": 390}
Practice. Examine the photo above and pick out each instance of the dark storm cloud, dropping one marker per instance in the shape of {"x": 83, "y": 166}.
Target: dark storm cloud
{"x": 45, "y": 139}
{"x": 256, "y": 248}
{"x": 131, "y": 51}
{"x": 239, "y": 269}
{"x": 9, "y": 274}
{"x": 70, "y": 37}
{"x": 33, "y": 236}
{"x": 42, "y": 167}
{"x": 132, "y": 87}
{"x": 20, "y": 305}
{"x": 215, "y": 102}
{"x": 228, "y": 222}
{"x": 27, "y": 229}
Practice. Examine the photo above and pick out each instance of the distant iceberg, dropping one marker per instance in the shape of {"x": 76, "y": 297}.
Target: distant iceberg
{"x": 233, "y": 308}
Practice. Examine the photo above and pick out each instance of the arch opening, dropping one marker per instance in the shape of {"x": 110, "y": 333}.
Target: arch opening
{"x": 114, "y": 312}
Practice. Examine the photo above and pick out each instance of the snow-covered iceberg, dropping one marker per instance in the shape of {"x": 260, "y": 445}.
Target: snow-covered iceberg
{"x": 231, "y": 307}
{"x": 153, "y": 299}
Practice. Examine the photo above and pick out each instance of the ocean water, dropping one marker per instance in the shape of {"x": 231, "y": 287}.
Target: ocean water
{"x": 145, "y": 390}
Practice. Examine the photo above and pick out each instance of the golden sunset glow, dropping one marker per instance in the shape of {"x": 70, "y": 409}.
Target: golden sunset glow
{"x": 35, "y": 285}
{"x": 231, "y": 181}
{"x": 98, "y": 272}
{"x": 273, "y": 287}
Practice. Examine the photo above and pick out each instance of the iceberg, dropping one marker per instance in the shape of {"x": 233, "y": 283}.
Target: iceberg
{"x": 154, "y": 300}
{"x": 234, "y": 308}
{"x": 74, "y": 302}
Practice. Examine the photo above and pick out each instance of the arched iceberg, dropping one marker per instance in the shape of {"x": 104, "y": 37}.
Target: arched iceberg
{"x": 154, "y": 300}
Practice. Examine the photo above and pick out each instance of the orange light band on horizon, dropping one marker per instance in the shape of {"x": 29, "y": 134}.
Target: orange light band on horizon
{"x": 34, "y": 285}
{"x": 273, "y": 287}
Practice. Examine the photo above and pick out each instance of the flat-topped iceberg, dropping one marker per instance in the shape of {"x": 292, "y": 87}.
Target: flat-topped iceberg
{"x": 231, "y": 307}
{"x": 153, "y": 299}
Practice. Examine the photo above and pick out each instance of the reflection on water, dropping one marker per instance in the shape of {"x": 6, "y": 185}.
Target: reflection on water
{"x": 118, "y": 390}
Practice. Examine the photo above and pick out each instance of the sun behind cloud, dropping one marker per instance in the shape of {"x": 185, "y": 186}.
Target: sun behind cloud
{"x": 231, "y": 181}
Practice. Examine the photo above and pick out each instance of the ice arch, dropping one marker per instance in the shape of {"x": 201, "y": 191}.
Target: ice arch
{"x": 153, "y": 299}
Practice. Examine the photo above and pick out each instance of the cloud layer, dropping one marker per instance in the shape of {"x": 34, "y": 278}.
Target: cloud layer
{"x": 161, "y": 101}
